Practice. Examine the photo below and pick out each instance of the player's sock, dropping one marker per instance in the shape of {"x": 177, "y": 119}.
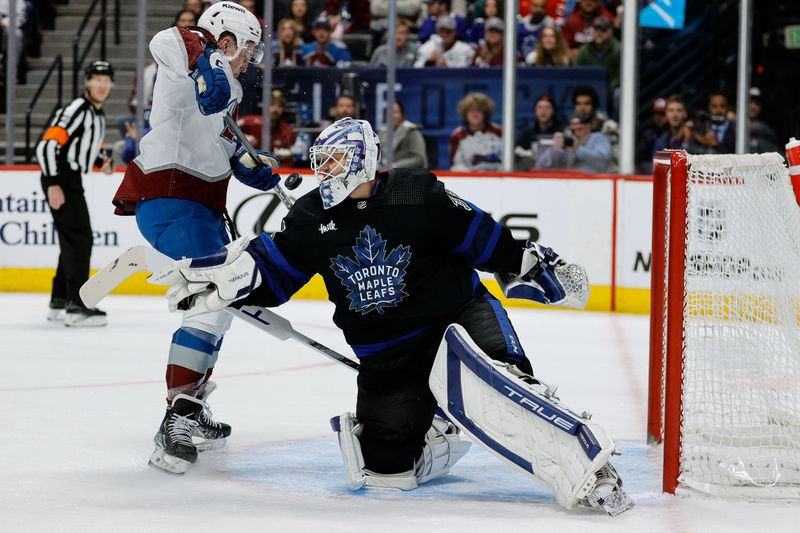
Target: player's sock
{"x": 175, "y": 451}
{"x": 78, "y": 315}
{"x": 209, "y": 434}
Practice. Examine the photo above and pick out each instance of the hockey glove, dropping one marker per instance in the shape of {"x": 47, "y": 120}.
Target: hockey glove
{"x": 211, "y": 86}
{"x": 210, "y": 283}
{"x": 257, "y": 176}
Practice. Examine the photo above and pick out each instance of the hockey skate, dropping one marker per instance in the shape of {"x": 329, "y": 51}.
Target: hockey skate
{"x": 608, "y": 494}
{"x": 57, "y": 311}
{"x": 78, "y": 315}
{"x": 175, "y": 451}
{"x": 209, "y": 434}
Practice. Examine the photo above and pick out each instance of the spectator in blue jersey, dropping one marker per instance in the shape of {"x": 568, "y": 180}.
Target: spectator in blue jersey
{"x": 477, "y": 30}
{"x": 582, "y": 149}
{"x": 441, "y": 8}
{"x": 530, "y": 27}
{"x": 324, "y": 52}
{"x": 128, "y": 148}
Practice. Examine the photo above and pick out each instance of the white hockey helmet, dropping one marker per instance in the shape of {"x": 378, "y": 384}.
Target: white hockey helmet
{"x": 344, "y": 156}
{"x": 233, "y": 18}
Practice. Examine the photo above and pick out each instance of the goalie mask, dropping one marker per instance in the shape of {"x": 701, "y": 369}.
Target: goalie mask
{"x": 344, "y": 156}
{"x": 232, "y": 18}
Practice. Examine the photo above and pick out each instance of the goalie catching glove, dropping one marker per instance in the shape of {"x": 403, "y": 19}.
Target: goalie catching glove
{"x": 546, "y": 278}
{"x": 257, "y": 175}
{"x": 210, "y": 283}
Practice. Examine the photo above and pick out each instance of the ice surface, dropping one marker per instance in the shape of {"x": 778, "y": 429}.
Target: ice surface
{"x": 78, "y": 409}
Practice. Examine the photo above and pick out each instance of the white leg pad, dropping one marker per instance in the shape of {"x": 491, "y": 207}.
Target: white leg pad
{"x": 443, "y": 448}
{"x": 522, "y": 423}
{"x": 348, "y": 430}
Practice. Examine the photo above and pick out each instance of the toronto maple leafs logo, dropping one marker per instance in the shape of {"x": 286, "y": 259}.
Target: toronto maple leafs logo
{"x": 374, "y": 279}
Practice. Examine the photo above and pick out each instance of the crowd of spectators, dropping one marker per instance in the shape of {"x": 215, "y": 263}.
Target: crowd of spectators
{"x": 464, "y": 34}
{"x": 709, "y": 130}
{"x": 453, "y": 33}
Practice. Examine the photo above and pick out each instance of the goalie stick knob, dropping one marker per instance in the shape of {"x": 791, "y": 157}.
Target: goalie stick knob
{"x": 293, "y": 181}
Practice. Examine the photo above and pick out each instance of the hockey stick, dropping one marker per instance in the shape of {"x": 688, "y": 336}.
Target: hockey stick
{"x": 146, "y": 259}
{"x": 240, "y": 136}
{"x": 282, "y": 329}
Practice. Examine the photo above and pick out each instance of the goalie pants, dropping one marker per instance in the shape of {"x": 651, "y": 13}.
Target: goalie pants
{"x": 395, "y": 404}
{"x": 75, "y": 239}
{"x": 184, "y": 228}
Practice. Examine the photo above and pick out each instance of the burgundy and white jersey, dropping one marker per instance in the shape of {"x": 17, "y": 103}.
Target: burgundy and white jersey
{"x": 181, "y": 137}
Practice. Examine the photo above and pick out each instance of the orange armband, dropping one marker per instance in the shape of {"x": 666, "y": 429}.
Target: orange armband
{"x": 57, "y": 134}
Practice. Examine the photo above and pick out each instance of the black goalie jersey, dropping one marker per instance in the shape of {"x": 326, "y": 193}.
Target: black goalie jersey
{"x": 394, "y": 264}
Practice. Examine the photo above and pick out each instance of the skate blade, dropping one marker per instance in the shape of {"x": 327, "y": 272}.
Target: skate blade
{"x": 167, "y": 463}
{"x": 617, "y": 503}
{"x": 207, "y": 445}
{"x": 85, "y": 322}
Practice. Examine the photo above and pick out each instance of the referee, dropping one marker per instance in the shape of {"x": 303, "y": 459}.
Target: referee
{"x": 69, "y": 149}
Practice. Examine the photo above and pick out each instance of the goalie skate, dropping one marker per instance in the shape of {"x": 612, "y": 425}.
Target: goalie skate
{"x": 608, "y": 494}
{"x": 175, "y": 451}
{"x": 209, "y": 434}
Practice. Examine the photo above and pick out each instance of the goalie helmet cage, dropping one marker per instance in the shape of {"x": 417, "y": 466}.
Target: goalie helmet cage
{"x": 724, "y": 383}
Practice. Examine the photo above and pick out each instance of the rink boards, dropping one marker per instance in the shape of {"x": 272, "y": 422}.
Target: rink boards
{"x": 600, "y": 221}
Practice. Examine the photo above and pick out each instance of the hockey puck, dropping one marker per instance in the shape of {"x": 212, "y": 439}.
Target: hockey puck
{"x": 293, "y": 181}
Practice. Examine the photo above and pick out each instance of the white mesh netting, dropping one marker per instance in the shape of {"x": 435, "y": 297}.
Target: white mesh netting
{"x": 741, "y": 385}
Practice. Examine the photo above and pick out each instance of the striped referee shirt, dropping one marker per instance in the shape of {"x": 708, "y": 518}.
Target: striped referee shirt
{"x": 72, "y": 142}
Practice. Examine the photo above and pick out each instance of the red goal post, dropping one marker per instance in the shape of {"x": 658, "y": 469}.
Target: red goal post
{"x": 724, "y": 382}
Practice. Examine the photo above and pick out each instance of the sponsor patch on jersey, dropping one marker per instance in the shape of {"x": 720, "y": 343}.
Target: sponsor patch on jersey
{"x": 330, "y": 226}
{"x": 374, "y": 279}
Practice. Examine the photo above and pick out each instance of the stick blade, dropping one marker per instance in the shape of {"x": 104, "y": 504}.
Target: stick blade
{"x": 136, "y": 259}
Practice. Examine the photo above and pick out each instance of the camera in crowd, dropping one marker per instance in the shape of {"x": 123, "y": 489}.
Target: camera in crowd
{"x": 703, "y": 121}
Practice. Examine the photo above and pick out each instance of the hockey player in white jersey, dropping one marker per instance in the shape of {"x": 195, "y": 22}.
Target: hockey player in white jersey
{"x": 177, "y": 190}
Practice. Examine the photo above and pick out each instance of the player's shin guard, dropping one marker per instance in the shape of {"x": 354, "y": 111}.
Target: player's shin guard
{"x": 442, "y": 449}
{"x": 521, "y": 421}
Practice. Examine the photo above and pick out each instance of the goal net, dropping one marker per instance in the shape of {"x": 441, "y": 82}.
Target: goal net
{"x": 725, "y": 324}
